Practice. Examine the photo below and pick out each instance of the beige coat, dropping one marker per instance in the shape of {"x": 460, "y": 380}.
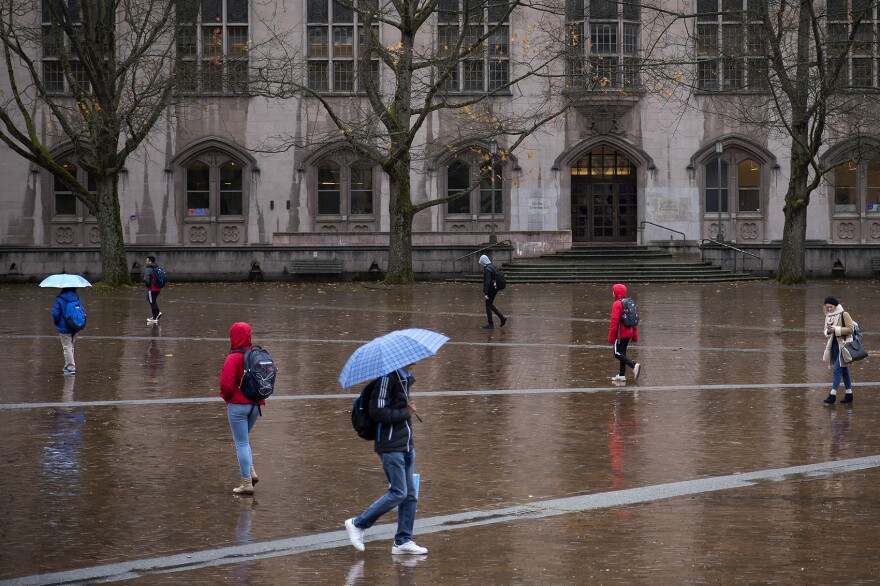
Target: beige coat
{"x": 843, "y": 331}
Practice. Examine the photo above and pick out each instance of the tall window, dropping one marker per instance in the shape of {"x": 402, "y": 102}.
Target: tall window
{"x": 56, "y": 43}
{"x": 854, "y": 183}
{"x": 461, "y": 174}
{"x": 345, "y": 189}
{"x": 612, "y": 51}
{"x": 333, "y": 55}
{"x": 63, "y": 200}
{"x": 214, "y": 183}
{"x": 731, "y": 53}
{"x": 862, "y": 61}
{"x": 716, "y": 185}
{"x": 460, "y": 26}
{"x": 748, "y": 186}
{"x": 212, "y": 46}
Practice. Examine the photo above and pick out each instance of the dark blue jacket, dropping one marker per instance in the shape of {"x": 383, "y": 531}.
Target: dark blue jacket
{"x": 58, "y": 310}
{"x": 388, "y": 407}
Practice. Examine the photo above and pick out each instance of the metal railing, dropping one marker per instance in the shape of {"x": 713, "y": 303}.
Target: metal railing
{"x": 499, "y": 243}
{"x": 717, "y": 243}
{"x": 642, "y": 229}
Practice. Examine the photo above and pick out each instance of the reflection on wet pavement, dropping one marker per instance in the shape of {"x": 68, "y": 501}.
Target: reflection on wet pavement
{"x": 111, "y": 466}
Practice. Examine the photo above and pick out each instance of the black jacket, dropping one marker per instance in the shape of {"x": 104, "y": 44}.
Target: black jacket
{"x": 489, "y": 279}
{"x": 388, "y": 408}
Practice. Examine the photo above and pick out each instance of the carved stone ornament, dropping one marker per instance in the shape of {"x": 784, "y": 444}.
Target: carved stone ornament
{"x": 64, "y": 235}
{"x": 846, "y": 231}
{"x": 230, "y": 234}
{"x": 748, "y": 230}
{"x": 875, "y": 229}
{"x": 94, "y": 235}
{"x": 604, "y": 121}
{"x": 198, "y": 234}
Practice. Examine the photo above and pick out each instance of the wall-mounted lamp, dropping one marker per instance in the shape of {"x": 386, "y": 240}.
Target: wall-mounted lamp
{"x": 691, "y": 171}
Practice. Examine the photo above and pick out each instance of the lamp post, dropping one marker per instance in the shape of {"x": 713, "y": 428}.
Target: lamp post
{"x": 719, "y": 149}
{"x": 493, "y": 150}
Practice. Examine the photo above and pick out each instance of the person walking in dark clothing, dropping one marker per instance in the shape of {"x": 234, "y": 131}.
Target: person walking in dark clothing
{"x": 392, "y": 408}
{"x": 153, "y": 289}
{"x": 490, "y": 290}
{"x": 620, "y": 335}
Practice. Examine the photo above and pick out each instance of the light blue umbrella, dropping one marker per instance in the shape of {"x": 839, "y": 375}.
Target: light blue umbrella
{"x": 64, "y": 281}
{"x": 388, "y": 353}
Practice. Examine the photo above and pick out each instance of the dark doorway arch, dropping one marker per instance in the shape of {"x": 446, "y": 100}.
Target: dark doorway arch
{"x": 604, "y": 197}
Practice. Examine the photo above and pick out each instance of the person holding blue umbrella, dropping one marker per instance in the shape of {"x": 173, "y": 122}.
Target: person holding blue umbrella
{"x": 67, "y": 314}
{"x": 391, "y": 407}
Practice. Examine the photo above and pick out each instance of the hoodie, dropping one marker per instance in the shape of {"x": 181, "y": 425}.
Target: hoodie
{"x": 233, "y": 368}
{"x": 617, "y": 329}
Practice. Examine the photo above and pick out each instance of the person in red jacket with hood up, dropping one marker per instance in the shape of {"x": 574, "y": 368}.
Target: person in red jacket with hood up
{"x": 242, "y": 412}
{"x": 620, "y": 335}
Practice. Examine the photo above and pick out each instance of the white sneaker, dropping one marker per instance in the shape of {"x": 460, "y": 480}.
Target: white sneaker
{"x": 356, "y": 534}
{"x": 152, "y": 321}
{"x": 636, "y": 370}
{"x": 618, "y": 378}
{"x": 408, "y": 547}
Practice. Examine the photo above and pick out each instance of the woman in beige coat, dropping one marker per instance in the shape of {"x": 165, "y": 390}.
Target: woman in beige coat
{"x": 838, "y": 328}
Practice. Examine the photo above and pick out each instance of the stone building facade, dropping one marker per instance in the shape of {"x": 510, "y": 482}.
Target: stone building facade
{"x": 621, "y": 170}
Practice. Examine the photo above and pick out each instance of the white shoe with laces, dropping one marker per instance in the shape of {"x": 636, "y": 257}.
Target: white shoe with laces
{"x": 408, "y": 547}
{"x": 618, "y": 378}
{"x": 636, "y": 370}
{"x": 355, "y": 534}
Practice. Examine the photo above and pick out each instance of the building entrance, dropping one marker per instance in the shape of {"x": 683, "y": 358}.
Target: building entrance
{"x": 604, "y": 197}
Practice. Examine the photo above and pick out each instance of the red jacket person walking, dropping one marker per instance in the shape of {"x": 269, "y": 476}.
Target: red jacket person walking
{"x": 620, "y": 335}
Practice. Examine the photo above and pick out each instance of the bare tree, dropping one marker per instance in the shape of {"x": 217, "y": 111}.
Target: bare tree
{"x": 93, "y": 77}
{"x": 777, "y": 67}
{"x": 419, "y": 71}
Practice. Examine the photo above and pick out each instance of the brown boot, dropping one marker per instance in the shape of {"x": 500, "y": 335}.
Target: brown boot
{"x": 247, "y": 487}
{"x": 254, "y": 479}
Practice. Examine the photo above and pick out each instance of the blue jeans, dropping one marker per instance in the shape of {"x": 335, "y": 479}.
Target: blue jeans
{"x": 401, "y": 493}
{"x": 840, "y": 372}
{"x": 241, "y": 420}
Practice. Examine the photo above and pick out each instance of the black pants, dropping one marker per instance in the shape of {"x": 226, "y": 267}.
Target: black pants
{"x": 490, "y": 307}
{"x": 620, "y": 353}
{"x": 151, "y": 297}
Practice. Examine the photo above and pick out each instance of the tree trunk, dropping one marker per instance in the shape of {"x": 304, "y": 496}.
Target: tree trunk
{"x": 792, "y": 256}
{"x": 400, "y": 271}
{"x": 114, "y": 265}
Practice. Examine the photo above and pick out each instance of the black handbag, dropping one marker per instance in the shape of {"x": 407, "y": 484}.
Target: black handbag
{"x": 855, "y": 350}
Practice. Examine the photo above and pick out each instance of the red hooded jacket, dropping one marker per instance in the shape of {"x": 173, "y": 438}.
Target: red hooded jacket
{"x": 616, "y": 311}
{"x": 233, "y": 368}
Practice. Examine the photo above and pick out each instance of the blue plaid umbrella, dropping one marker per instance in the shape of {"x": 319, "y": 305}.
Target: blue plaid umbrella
{"x": 388, "y": 353}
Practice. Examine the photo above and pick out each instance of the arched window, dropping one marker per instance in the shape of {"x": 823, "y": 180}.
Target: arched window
{"x": 198, "y": 189}
{"x": 64, "y": 202}
{"x": 472, "y": 170}
{"x": 345, "y": 188}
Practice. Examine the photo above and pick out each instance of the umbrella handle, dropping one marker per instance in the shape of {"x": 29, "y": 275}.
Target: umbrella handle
{"x": 419, "y": 418}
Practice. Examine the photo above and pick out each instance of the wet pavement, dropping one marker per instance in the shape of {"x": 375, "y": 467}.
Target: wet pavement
{"x": 719, "y": 465}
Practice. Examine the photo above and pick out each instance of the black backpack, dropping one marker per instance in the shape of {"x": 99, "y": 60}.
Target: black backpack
{"x": 630, "y": 316}
{"x": 499, "y": 278}
{"x": 258, "y": 380}
{"x": 363, "y": 424}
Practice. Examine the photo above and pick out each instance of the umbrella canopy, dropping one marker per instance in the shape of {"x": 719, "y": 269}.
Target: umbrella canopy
{"x": 64, "y": 281}
{"x": 388, "y": 353}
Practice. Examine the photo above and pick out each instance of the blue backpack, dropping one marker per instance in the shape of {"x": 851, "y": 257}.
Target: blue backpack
{"x": 74, "y": 315}
{"x": 159, "y": 277}
{"x": 363, "y": 424}
{"x": 258, "y": 379}
{"x": 630, "y": 316}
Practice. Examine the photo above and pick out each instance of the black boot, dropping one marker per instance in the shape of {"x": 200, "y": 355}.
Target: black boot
{"x": 830, "y": 400}
{"x": 847, "y": 398}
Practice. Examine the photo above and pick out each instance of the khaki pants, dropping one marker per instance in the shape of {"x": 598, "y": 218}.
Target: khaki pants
{"x": 67, "y": 346}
